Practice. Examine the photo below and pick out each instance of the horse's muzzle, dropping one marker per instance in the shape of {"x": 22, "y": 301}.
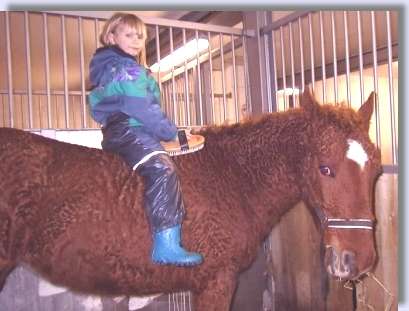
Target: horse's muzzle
{"x": 341, "y": 265}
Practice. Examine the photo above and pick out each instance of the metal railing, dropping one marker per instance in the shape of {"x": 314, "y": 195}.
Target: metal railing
{"x": 343, "y": 56}
{"x": 38, "y": 74}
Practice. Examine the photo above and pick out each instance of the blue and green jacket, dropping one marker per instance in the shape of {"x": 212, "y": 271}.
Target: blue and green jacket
{"x": 121, "y": 85}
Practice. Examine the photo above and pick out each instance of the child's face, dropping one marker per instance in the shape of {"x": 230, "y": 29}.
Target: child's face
{"x": 128, "y": 39}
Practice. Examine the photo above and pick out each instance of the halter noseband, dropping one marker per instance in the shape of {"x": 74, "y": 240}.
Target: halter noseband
{"x": 344, "y": 223}
{"x": 352, "y": 223}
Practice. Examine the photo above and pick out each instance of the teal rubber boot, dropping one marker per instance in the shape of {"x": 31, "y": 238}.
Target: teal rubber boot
{"x": 168, "y": 251}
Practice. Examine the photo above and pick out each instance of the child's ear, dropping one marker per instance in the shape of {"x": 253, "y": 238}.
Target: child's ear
{"x": 111, "y": 38}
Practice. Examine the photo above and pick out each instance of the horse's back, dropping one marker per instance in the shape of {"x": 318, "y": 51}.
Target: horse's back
{"x": 36, "y": 165}
{"x": 18, "y": 146}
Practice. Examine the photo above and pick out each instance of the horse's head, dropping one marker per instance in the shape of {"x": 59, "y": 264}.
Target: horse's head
{"x": 339, "y": 175}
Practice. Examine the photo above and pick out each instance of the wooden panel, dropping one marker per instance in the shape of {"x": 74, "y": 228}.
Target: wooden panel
{"x": 381, "y": 291}
{"x": 299, "y": 281}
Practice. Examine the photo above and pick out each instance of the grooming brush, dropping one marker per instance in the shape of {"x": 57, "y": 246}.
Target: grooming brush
{"x": 184, "y": 145}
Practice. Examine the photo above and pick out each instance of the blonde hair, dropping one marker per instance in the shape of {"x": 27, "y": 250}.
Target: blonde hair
{"x": 130, "y": 20}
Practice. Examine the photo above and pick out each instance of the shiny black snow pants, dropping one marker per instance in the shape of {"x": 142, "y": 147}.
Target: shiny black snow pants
{"x": 145, "y": 154}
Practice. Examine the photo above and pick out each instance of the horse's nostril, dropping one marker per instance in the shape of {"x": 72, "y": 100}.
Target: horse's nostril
{"x": 329, "y": 251}
{"x": 349, "y": 263}
{"x": 330, "y": 259}
{"x": 348, "y": 258}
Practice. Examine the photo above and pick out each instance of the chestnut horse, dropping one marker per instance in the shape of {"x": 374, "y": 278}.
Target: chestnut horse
{"x": 75, "y": 214}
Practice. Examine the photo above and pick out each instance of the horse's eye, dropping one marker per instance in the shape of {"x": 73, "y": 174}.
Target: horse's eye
{"x": 326, "y": 171}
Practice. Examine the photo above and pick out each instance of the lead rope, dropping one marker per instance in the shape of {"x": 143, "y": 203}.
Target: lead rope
{"x": 354, "y": 302}
{"x": 391, "y": 297}
{"x": 363, "y": 297}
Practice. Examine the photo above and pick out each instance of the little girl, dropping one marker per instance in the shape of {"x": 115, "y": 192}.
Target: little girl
{"x": 126, "y": 102}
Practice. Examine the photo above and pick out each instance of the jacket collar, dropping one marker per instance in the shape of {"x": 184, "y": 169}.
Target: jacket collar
{"x": 116, "y": 49}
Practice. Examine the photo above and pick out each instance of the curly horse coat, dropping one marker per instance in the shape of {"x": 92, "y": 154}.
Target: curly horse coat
{"x": 74, "y": 214}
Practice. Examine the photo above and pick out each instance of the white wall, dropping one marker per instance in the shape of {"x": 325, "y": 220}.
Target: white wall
{"x": 88, "y": 138}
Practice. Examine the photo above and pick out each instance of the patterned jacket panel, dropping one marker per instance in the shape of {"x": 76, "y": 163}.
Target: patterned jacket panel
{"x": 122, "y": 85}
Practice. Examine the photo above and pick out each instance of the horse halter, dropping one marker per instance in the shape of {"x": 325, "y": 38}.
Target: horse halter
{"x": 344, "y": 223}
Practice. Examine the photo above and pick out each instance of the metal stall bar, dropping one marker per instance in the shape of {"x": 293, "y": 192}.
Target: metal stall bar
{"x": 158, "y": 55}
{"x": 284, "y": 86}
{"x": 28, "y": 63}
{"x": 65, "y": 71}
{"x": 183, "y": 298}
{"x": 347, "y": 69}
{"x": 275, "y": 68}
{"x": 9, "y": 72}
{"x": 164, "y": 103}
{"x": 324, "y": 76}
{"x": 249, "y": 105}
{"x": 334, "y": 54}
{"x": 193, "y": 90}
{"x": 173, "y": 77}
{"x": 96, "y": 27}
{"x": 234, "y": 79}
{"x": 311, "y": 51}
{"x": 391, "y": 95}
{"x": 292, "y": 63}
{"x": 164, "y": 98}
{"x": 97, "y": 43}
{"x": 174, "y": 302}
{"x": 223, "y": 77}
{"x": 83, "y": 93}
{"x": 211, "y": 76}
{"x": 199, "y": 78}
{"x": 169, "y": 301}
{"x": 190, "y": 301}
{"x": 169, "y": 100}
{"x": 182, "y": 101}
{"x": 361, "y": 65}
{"x": 267, "y": 38}
{"x": 375, "y": 80}
{"x": 47, "y": 71}
{"x": 187, "y": 120}
{"x": 172, "y": 100}
{"x": 178, "y": 101}
{"x": 301, "y": 54}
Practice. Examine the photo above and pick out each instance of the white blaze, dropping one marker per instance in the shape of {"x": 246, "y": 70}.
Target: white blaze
{"x": 357, "y": 153}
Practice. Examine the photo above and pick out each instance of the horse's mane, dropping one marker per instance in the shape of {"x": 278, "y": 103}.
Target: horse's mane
{"x": 344, "y": 117}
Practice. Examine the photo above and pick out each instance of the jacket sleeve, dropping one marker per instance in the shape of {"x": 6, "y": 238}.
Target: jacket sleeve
{"x": 151, "y": 116}
{"x": 136, "y": 94}
{"x": 142, "y": 109}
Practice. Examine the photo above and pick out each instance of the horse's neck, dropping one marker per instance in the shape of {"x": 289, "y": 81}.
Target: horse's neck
{"x": 264, "y": 156}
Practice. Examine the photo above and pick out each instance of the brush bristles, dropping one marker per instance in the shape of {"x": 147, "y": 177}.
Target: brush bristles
{"x": 180, "y": 152}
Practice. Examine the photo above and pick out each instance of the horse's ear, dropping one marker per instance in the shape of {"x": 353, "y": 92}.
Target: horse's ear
{"x": 366, "y": 110}
{"x": 307, "y": 100}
